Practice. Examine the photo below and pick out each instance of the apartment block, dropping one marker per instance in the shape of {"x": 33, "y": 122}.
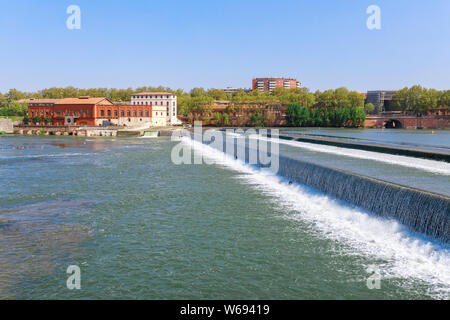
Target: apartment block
{"x": 269, "y": 84}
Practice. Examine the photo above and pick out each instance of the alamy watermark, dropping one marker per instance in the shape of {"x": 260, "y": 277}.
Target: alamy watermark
{"x": 73, "y": 22}
{"x": 374, "y": 20}
{"x": 74, "y": 280}
{"x": 254, "y": 147}
{"x": 374, "y": 280}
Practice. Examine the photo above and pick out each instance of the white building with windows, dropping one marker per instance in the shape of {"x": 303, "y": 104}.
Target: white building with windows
{"x": 167, "y": 99}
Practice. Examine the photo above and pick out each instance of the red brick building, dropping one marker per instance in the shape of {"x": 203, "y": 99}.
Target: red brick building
{"x": 41, "y": 108}
{"x": 94, "y": 112}
{"x": 240, "y": 114}
{"x": 269, "y": 84}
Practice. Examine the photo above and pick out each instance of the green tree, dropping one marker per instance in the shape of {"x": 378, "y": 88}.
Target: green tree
{"x": 217, "y": 118}
{"x": 217, "y": 94}
{"x": 197, "y": 92}
{"x": 14, "y": 108}
{"x": 257, "y": 119}
{"x": 14, "y": 95}
{"x": 225, "y": 119}
{"x": 356, "y": 99}
{"x": 369, "y": 107}
{"x": 36, "y": 120}
{"x": 297, "y": 115}
{"x": 26, "y": 119}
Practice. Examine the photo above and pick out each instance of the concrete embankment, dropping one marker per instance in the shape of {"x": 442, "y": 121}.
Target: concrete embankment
{"x": 66, "y": 131}
{"x": 85, "y": 131}
{"x": 6, "y": 125}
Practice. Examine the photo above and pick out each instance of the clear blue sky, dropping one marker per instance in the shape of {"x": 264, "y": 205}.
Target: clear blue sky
{"x": 220, "y": 43}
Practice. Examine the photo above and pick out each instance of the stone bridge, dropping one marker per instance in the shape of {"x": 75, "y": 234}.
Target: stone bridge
{"x": 408, "y": 122}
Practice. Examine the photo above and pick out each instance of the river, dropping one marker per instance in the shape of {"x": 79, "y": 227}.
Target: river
{"x": 140, "y": 227}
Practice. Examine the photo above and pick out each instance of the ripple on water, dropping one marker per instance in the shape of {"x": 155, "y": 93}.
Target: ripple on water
{"x": 37, "y": 237}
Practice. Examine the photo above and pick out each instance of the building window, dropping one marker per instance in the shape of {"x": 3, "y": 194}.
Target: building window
{"x": 122, "y": 113}
{"x": 134, "y": 113}
{"x": 102, "y": 113}
{"x": 109, "y": 113}
{"x": 86, "y": 113}
{"x": 32, "y": 113}
{"x": 146, "y": 113}
{"x": 115, "y": 113}
{"x": 128, "y": 114}
{"x": 140, "y": 114}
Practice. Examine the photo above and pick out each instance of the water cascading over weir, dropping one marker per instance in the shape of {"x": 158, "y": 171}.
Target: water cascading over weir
{"x": 423, "y": 212}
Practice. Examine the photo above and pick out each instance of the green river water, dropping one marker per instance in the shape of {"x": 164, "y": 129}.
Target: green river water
{"x": 140, "y": 227}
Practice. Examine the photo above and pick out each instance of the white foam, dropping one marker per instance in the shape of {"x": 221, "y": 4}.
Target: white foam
{"x": 434, "y": 166}
{"x": 405, "y": 255}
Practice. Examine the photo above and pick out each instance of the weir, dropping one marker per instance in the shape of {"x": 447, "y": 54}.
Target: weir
{"x": 152, "y": 134}
{"x": 420, "y": 152}
{"x": 423, "y": 212}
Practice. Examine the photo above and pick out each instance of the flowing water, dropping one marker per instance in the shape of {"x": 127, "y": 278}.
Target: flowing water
{"x": 139, "y": 226}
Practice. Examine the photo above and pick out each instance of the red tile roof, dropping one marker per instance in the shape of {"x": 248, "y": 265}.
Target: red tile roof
{"x": 32, "y": 100}
{"x": 85, "y": 100}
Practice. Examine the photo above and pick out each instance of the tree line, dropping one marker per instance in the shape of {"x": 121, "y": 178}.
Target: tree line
{"x": 301, "y": 116}
{"x": 419, "y": 100}
{"x": 199, "y": 100}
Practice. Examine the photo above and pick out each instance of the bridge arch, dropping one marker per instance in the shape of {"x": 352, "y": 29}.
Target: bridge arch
{"x": 393, "y": 124}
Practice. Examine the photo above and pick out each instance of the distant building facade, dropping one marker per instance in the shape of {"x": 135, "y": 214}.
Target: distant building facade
{"x": 269, "y": 84}
{"x": 166, "y": 99}
{"x": 240, "y": 114}
{"x": 234, "y": 90}
{"x": 381, "y": 99}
